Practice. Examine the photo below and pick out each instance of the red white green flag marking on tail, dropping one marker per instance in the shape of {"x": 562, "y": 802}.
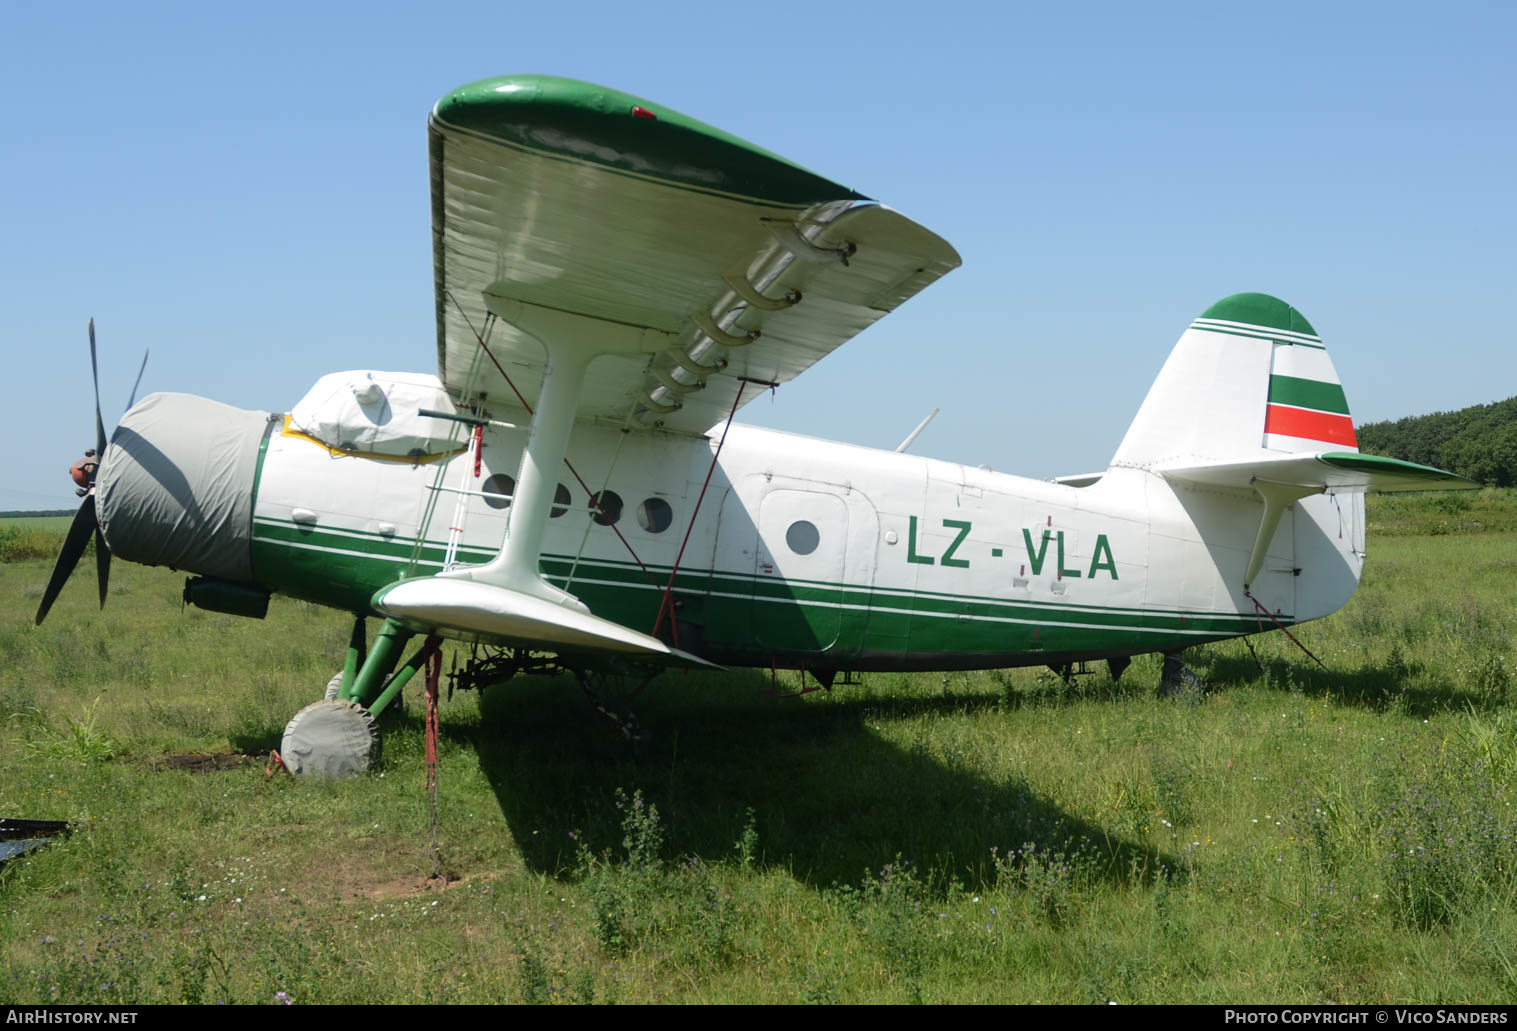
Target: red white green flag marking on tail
{"x": 1306, "y": 407}
{"x": 1306, "y": 401}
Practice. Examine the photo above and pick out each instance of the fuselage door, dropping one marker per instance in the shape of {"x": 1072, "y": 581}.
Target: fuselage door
{"x": 799, "y": 569}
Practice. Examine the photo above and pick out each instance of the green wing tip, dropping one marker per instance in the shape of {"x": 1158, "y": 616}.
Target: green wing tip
{"x": 1260, "y": 310}
{"x": 669, "y": 144}
{"x": 1436, "y": 479}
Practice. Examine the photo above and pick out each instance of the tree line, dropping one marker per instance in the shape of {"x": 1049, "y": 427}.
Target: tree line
{"x": 1479, "y": 442}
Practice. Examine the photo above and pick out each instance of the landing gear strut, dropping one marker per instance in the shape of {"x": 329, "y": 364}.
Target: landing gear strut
{"x": 625, "y": 722}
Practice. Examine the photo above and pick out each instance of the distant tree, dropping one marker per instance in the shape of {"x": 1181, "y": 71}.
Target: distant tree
{"x": 1479, "y": 442}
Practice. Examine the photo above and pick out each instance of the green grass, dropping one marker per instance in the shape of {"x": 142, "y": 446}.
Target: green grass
{"x": 1296, "y": 834}
{"x": 1492, "y": 510}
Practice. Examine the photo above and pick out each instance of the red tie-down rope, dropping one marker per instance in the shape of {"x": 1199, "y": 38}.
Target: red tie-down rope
{"x": 1258, "y": 605}
{"x": 667, "y": 604}
{"x": 434, "y": 672}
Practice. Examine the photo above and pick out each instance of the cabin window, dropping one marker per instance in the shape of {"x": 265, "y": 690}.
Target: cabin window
{"x": 654, "y": 515}
{"x": 803, "y": 537}
{"x": 607, "y": 506}
{"x": 498, "y": 490}
{"x": 560, "y": 502}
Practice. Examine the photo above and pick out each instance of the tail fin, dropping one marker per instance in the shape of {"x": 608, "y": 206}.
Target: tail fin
{"x": 1249, "y": 405}
{"x": 1249, "y": 377}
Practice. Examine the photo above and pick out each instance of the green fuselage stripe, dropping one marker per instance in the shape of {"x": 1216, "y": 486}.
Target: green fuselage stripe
{"x": 740, "y": 614}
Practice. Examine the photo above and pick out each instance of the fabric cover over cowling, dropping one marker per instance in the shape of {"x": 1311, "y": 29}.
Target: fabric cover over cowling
{"x": 376, "y": 412}
{"x": 175, "y": 486}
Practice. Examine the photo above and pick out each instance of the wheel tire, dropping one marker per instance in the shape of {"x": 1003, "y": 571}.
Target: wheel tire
{"x": 330, "y": 739}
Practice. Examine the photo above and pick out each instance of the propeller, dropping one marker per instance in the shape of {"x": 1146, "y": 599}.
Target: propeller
{"x": 86, "y": 520}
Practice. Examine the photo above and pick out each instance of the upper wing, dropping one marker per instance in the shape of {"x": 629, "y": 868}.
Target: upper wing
{"x": 1326, "y": 470}
{"x": 554, "y": 193}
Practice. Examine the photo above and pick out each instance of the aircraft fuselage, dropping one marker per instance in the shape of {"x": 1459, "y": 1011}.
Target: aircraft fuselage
{"x": 807, "y": 552}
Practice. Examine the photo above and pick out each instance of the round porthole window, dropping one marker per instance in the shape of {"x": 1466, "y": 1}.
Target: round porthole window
{"x": 498, "y": 490}
{"x": 802, "y": 537}
{"x": 655, "y": 515}
{"x": 607, "y": 506}
{"x": 560, "y": 502}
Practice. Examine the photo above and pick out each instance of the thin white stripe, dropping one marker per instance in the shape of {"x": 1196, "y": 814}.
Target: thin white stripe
{"x": 1306, "y": 337}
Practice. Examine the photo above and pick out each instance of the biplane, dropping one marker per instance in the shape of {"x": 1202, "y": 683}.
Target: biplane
{"x": 570, "y": 489}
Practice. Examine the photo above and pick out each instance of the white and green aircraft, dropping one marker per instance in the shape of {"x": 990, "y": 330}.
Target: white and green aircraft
{"x": 613, "y": 281}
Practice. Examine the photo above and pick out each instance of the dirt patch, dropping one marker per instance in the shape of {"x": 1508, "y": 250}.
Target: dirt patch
{"x": 198, "y": 762}
{"x": 403, "y": 887}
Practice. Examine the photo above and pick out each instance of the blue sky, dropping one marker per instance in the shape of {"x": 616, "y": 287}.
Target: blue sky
{"x": 243, "y": 188}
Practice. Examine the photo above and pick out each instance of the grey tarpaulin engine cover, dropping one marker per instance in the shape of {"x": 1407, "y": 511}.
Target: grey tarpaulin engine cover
{"x": 175, "y": 486}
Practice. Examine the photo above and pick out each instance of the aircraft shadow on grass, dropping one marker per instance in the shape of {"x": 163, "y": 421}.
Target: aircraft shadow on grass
{"x": 1376, "y": 687}
{"x": 831, "y": 799}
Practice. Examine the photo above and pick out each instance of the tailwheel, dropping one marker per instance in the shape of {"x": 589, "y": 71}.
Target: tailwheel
{"x": 331, "y": 739}
{"x": 1178, "y": 680}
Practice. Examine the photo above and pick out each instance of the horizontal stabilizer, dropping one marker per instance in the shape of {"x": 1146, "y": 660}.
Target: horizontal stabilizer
{"x": 1320, "y": 471}
{"x": 1077, "y": 479}
{"x": 481, "y": 611}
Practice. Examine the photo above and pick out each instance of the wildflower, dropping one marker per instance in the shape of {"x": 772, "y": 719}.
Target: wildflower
{"x": 283, "y": 999}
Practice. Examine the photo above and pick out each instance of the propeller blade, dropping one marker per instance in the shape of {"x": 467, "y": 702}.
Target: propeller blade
{"x": 133, "y": 399}
{"x": 78, "y": 537}
{"x": 102, "y": 561}
{"x": 99, "y": 422}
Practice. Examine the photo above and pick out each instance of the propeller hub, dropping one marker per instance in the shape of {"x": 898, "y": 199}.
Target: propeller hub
{"x": 83, "y": 471}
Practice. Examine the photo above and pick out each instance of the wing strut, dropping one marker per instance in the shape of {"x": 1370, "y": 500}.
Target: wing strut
{"x": 480, "y": 339}
{"x": 571, "y": 341}
{"x": 507, "y": 597}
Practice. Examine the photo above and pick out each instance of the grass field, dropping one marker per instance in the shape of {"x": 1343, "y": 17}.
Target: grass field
{"x": 1295, "y": 834}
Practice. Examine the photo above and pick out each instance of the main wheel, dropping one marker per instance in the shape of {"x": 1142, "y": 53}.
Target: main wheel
{"x": 332, "y": 739}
